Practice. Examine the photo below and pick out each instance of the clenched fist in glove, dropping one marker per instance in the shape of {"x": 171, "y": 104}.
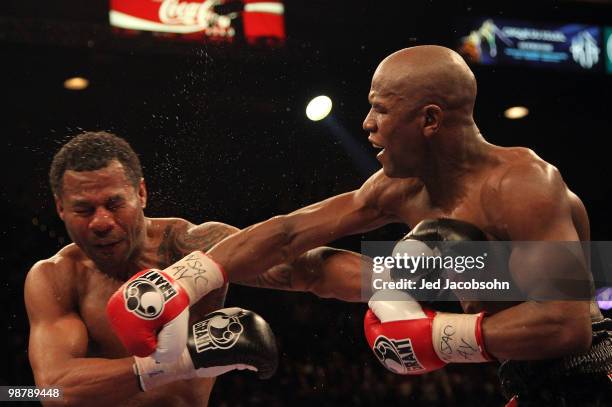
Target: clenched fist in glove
{"x": 225, "y": 340}
{"x": 409, "y": 339}
{"x": 150, "y": 312}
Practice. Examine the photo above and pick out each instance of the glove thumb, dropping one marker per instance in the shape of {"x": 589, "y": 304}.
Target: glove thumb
{"x": 172, "y": 339}
{"x": 393, "y": 305}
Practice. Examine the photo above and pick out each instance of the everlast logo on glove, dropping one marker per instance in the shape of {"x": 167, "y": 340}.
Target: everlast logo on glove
{"x": 218, "y": 331}
{"x": 396, "y": 355}
{"x": 146, "y": 295}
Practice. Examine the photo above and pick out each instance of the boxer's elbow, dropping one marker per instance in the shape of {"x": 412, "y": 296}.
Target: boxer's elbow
{"x": 72, "y": 391}
{"x": 334, "y": 273}
{"x": 47, "y": 379}
{"x": 566, "y": 327}
{"x": 576, "y": 335}
{"x": 53, "y": 380}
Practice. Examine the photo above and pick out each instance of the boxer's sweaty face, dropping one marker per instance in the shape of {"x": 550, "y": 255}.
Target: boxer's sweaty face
{"x": 103, "y": 213}
{"x": 393, "y": 125}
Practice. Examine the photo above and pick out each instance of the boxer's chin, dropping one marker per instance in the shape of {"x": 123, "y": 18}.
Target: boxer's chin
{"x": 110, "y": 255}
{"x": 392, "y": 172}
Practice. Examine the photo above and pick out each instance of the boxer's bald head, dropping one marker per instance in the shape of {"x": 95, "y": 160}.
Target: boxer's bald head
{"x": 428, "y": 74}
{"x": 420, "y": 96}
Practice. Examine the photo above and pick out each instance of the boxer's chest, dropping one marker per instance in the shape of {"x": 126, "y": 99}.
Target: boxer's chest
{"x": 95, "y": 289}
{"x": 470, "y": 208}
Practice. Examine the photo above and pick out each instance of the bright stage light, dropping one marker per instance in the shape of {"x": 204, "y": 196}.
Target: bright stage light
{"x": 516, "y": 112}
{"x": 318, "y": 108}
{"x": 76, "y": 83}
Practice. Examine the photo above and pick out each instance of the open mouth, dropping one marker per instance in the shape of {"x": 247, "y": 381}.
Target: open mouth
{"x": 375, "y": 144}
{"x": 106, "y": 246}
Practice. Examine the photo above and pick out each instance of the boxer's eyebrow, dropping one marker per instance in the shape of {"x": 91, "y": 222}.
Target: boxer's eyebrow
{"x": 115, "y": 198}
{"x": 81, "y": 202}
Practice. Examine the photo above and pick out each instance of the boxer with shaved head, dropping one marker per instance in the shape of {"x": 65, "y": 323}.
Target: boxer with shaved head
{"x": 441, "y": 177}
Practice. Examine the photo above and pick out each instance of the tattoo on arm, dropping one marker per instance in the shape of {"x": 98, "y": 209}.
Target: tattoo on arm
{"x": 179, "y": 242}
{"x": 302, "y": 275}
{"x": 278, "y": 277}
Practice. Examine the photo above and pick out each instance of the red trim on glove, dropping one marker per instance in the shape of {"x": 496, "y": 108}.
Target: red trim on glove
{"x": 480, "y": 337}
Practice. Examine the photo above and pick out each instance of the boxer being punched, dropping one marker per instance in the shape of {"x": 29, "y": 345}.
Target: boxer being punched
{"x": 100, "y": 195}
{"x": 435, "y": 164}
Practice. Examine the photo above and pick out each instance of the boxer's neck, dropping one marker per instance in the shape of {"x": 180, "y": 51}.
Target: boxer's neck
{"x": 457, "y": 155}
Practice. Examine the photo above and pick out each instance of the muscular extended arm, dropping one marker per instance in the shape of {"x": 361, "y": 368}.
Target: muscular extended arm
{"x": 58, "y": 345}
{"x": 325, "y": 272}
{"x": 540, "y": 329}
{"x": 283, "y": 238}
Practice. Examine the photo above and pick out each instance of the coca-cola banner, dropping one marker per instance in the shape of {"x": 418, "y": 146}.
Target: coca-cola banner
{"x": 219, "y": 19}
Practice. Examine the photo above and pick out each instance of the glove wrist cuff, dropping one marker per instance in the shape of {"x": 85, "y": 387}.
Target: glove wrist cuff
{"x": 152, "y": 374}
{"x": 457, "y": 338}
{"x": 198, "y": 274}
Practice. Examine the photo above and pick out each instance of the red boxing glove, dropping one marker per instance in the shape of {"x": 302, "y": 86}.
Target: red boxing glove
{"x": 150, "y": 312}
{"x": 408, "y": 339}
{"x": 149, "y": 300}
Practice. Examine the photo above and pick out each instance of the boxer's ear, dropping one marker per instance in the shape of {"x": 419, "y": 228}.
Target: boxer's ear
{"x": 433, "y": 118}
{"x": 59, "y": 206}
{"x": 142, "y": 193}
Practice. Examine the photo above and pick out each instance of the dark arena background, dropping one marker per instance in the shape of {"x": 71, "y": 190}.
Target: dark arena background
{"x": 221, "y": 130}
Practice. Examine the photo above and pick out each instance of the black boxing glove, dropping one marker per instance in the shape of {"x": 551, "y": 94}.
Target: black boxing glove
{"x": 436, "y": 237}
{"x": 226, "y": 339}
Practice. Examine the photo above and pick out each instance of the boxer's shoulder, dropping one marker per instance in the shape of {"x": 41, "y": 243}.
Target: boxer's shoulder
{"x": 66, "y": 262}
{"x": 384, "y": 192}
{"x": 523, "y": 191}
{"x": 58, "y": 275}
{"x": 179, "y": 237}
{"x": 519, "y": 171}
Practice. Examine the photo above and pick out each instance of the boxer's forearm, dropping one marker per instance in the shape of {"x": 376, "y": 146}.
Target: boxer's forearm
{"x": 256, "y": 249}
{"x": 531, "y": 331}
{"x": 282, "y": 239}
{"x": 93, "y": 382}
{"x": 339, "y": 273}
{"x": 325, "y": 272}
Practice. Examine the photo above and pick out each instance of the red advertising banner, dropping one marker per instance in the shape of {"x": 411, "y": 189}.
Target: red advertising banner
{"x": 219, "y": 19}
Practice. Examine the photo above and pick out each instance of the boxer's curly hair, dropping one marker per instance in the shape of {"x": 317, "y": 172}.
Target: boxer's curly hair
{"x": 91, "y": 151}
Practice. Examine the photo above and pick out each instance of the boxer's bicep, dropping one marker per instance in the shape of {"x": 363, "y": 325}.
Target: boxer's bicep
{"x": 535, "y": 209}
{"x": 57, "y": 333}
{"x": 546, "y": 263}
{"x": 341, "y": 215}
